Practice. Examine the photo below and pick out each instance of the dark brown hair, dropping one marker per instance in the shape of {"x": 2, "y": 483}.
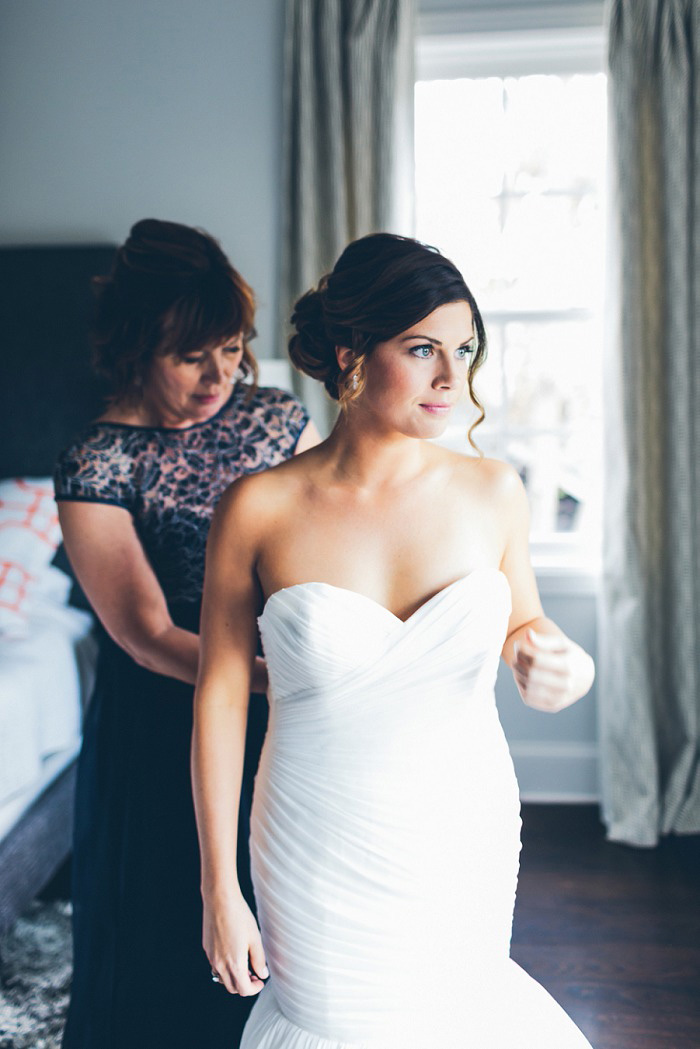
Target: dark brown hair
{"x": 171, "y": 291}
{"x": 381, "y": 285}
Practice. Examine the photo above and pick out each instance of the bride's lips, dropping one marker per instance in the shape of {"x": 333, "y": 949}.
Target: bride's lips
{"x": 437, "y": 409}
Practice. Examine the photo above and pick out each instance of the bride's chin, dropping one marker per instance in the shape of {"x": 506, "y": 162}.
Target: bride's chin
{"x": 432, "y": 427}
{"x": 425, "y": 433}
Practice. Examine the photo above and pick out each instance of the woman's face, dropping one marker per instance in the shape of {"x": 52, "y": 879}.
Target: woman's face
{"x": 181, "y": 391}
{"x": 414, "y": 380}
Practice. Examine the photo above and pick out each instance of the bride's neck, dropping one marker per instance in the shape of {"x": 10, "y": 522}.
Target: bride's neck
{"x": 368, "y": 458}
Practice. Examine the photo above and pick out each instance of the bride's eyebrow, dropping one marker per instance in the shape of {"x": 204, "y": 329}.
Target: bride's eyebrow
{"x": 436, "y": 342}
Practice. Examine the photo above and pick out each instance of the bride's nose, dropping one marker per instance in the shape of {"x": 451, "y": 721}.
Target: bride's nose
{"x": 447, "y": 375}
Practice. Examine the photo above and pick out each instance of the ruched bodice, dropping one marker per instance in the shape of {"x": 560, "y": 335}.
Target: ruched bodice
{"x": 385, "y": 829}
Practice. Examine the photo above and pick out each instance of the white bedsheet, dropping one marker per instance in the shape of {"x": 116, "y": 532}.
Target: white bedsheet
{"x": 42, "y": 682}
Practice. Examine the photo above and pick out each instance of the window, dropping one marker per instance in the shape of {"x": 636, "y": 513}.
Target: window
{"x": 510, "y": 184}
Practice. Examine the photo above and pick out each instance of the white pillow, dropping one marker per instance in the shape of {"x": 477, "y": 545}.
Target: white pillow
{"x": 29, "y": 536}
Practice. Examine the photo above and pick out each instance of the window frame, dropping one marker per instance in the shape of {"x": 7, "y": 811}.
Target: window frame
{"x": 530, "y": 39}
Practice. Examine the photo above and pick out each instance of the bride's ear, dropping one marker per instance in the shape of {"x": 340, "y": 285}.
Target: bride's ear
{"x": 345, "y": 356}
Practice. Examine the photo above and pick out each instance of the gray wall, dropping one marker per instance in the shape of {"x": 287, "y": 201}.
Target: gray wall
{"x": 114, "y": 110}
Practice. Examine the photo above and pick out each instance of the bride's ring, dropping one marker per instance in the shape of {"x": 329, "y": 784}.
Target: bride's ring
{"x": 215, "y": 976}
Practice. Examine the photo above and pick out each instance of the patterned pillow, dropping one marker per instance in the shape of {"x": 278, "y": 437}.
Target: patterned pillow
{"x": 29, "y": 536}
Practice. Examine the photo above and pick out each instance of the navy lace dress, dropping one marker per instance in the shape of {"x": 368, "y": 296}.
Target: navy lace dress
{"x": 141, "y": 978}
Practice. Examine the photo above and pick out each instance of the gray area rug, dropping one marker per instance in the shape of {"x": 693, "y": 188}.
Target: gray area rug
{"x": 35, "y": 975}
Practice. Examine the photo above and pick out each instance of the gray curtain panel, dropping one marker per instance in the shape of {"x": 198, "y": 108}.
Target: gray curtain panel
{"x": 650, "y": 622}
{"x": 348, "y": 158}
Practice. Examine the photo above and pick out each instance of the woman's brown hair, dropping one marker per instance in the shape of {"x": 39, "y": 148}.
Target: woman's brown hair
{"x": 172, "y": 290}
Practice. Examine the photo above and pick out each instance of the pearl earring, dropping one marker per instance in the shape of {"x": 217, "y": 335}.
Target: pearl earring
{"x": 355, "y": 382}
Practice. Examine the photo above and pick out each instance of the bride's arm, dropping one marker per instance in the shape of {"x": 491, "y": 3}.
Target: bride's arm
{"x": 227, "y": 656}
{"x": 550, "y": 670}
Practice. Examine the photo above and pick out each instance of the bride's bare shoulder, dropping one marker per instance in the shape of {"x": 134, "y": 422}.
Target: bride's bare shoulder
{"x": 492, "y": 480}
{"x": 256, "y": 500}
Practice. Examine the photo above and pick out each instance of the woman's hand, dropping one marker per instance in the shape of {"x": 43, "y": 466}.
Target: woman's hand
{"x": 233, "y": 946}
{"x": 550, "y": 670}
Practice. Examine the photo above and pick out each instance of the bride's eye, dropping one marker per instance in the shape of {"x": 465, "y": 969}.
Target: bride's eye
{"x": 464, "y": 351}
{"x": 422, "y": 352}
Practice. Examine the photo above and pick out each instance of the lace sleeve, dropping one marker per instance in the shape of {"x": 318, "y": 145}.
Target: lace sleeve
{"x": 95, "y": 469}
{"x": 297, "y": 419}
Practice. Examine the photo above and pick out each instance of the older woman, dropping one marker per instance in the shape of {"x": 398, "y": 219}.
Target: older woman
{"x": 136, "y": 493}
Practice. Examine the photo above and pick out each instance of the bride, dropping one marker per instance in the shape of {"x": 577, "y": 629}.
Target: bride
{"x": 387, "y": 575}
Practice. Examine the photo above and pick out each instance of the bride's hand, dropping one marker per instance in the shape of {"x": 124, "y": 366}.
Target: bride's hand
{"x": 551, "y": 671}
{"x": 233, "y": 946}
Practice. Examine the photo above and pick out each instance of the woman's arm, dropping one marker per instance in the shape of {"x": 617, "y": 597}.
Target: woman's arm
{"x": 550, "y": 670}
{"x": 228, "y": 642}
{"x": 112, "y": 568}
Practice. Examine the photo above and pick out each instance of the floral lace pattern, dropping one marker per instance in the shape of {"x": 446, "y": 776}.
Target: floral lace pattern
{"x": 170, "y": 480}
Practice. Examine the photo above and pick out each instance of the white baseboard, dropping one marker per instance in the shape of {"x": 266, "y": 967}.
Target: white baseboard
{"x": 557, "y": 772}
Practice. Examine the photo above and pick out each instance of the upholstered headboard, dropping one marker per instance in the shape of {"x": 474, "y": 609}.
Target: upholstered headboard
{"x": 47, "y": 389}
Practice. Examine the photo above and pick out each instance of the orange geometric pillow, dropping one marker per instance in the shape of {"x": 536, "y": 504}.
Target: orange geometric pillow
{"x": 29, "y": 536}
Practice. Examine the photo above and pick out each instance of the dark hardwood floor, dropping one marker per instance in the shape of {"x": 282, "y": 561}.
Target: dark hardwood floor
{"x": 612, "y": 932}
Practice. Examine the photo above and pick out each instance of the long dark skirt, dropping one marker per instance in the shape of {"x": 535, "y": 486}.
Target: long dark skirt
{"x": 141, "y": 978}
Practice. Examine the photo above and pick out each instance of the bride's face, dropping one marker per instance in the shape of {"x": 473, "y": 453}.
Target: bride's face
{"x": 414, "y": 380}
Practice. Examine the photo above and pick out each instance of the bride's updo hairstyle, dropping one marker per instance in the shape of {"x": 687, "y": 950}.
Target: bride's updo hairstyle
{"x": 381, "y": 285}
{"x": 172, "y": 290}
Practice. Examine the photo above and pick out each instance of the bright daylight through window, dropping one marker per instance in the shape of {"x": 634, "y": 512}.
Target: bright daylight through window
{"x": 510, "y": 175}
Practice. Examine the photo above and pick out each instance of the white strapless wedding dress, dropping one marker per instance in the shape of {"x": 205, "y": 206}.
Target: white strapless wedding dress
{"x": 386, "y": 830}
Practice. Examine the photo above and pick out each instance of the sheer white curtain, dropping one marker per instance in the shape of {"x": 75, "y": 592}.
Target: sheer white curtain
{"x": 650, "y": 626}
{"x": 348, "y": 140}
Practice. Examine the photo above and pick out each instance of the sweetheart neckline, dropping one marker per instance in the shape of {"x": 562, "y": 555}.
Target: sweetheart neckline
{"x": 365, "y": 597}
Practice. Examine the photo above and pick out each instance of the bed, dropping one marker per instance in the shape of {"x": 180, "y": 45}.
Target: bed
{"x": 47, "y": 645}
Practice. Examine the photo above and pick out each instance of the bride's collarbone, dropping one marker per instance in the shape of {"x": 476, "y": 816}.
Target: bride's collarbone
{"x": 426, "y": 513}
